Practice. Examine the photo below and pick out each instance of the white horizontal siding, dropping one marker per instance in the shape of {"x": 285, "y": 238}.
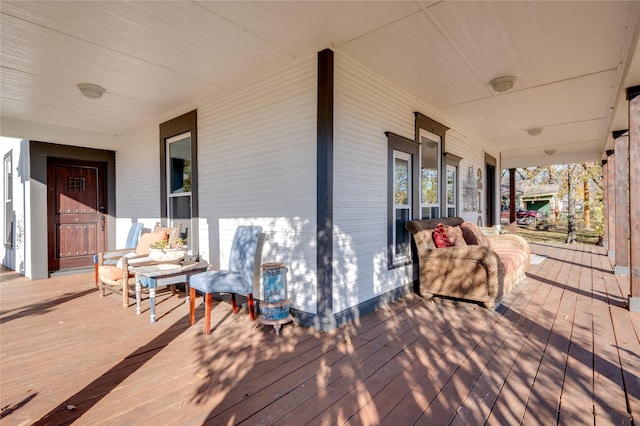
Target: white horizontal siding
{"x": 365, "y": 108}
{"x": 137, "y": 181}
{"x": 256, "y": 162}
{"x": 256, "y": 166}
{"x": 138, "y": 174}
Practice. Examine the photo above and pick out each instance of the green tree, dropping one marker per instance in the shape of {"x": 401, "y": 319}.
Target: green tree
{"x": 578, "y": 182}
{"x": 593, "y": 196}
{"x": 572, "y": 178}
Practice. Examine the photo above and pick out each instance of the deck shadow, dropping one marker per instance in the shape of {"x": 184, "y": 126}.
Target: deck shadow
{"x": 42, "y": 307}
{"x": 83, "y": 400}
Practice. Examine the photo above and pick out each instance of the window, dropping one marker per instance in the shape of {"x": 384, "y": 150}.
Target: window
{"x": 452, "y": 193}
{"x": 8, "y": 199}
{"x": 401, "y": 206}
{"x": 403, "y": 197}
{"x": 451, "y": 190}
{"x": 429, "y": 175}
{"x": 430, "y": 136}
{"x": 178, "y": 177}
{"x": 414, "y": 188}
{"x": 179, "y": 182}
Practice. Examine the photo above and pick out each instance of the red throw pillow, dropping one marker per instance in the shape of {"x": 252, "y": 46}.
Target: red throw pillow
{"x": 440, "y": 237}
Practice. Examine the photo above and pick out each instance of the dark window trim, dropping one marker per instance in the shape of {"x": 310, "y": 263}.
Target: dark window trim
{"x": 185, "y": 123}
{"x": 452, "y": 159}
{"x": 489, "y": 159}
{"x": 424, "y": 122}
{"x": 396, "y": 142}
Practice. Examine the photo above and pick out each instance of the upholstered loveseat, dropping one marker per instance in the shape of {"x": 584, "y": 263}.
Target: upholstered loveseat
{"x": 469, "y": 264}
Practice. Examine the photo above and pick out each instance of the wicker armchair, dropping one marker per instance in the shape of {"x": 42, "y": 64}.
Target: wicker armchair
{"x": 111, "y": 257}
{"x": 113, "y": 267}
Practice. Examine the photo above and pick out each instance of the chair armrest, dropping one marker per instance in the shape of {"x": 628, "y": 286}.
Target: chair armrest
{"x": 510, "y": 241}
{"x": 110, "y": 257}
{"x": 119, "y": 251}
{"x": 136, "y": 260}
{"x": 121, "y": 258}
{"x": 489, "y": 230}
{"x": 454, "y": 267}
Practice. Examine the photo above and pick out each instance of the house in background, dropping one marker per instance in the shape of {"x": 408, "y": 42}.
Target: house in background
{"x": 328, "y": 124}
{"x": 542, "y": 198}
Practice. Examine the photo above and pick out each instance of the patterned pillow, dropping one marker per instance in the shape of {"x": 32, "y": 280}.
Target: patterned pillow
{"x": 455, "y": 236}
{"x": 473, "y": 236}
{"x": 440, "y": 237}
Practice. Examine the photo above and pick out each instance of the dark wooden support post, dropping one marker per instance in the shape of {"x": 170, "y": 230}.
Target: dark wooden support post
{"x": 325, "y": 184}
{"x": 621, "y": 147}
{"x": 611, "y": 191}
{"x": 633, "y": 96}
{"x": 605, "y": 202}
{"x": 512, "y": 201}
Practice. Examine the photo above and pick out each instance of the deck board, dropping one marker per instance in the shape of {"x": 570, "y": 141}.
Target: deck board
{"x": 501, "y": 344}
{"x": 482, "y": 396}
{"x": 576, "y": 405}
{"x": 561, "y": 349}
{"x": 444, "y": 367}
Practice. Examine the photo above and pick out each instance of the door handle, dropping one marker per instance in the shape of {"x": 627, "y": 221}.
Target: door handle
{"x": 102, "y": 221}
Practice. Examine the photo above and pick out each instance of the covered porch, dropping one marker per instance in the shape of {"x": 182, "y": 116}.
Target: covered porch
{"x": 562, "y": 349}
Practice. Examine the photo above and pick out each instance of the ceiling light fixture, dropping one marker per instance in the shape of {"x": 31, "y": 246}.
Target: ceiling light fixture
{"x": 534, "y": 131}
{"x": 91, "y": 91}
{"x": 502, "y": 84}
{"x": 550, "y": 151}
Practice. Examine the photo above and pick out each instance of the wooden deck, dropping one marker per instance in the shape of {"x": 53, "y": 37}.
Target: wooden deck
{"x": 562, "y": 349}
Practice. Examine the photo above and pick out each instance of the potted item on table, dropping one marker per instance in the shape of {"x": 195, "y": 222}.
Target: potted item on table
{"x": 168, "y": 251}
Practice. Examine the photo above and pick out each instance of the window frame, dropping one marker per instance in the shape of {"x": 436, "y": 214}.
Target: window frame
{"x": 7, "y": 196}
{"x": 173, "y": 130}
{"x": 424, "y": 138}
{"x": 172, "y": 196}
{"x": 453, "y": 161}
{"x": 400, "y": 144}
{"x": 401, "y": 256}
{"x": 426, "y": 126}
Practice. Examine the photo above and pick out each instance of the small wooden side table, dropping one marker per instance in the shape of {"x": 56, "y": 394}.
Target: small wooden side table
{"x": 154, "y": 276}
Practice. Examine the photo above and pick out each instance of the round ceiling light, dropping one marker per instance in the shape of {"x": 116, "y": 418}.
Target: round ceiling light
{"x": 502, "y": 84}
{"x": 91, "y": 91}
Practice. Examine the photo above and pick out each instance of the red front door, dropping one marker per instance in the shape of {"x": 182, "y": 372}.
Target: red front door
{"x": 76, "y": 212}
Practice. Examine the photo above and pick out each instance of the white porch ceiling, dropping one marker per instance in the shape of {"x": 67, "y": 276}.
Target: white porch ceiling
{"x": 572, "y": 60}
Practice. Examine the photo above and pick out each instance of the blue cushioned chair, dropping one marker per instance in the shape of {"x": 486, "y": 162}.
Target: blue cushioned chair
{"x": 238, "y": 279}
{"x": 112, "y": 257}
